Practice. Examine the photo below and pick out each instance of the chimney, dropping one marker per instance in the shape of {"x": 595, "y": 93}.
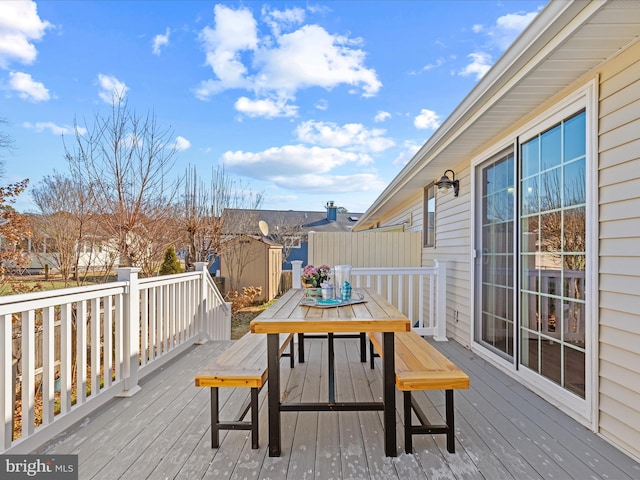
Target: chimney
{"x": 332, "y": 211}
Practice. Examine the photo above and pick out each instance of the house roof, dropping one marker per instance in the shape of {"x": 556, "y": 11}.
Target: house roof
{"x": 566, "y": 42}
{"x": 308, "y": 220}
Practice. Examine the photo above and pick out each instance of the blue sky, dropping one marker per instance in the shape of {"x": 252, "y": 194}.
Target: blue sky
{"x": 304, "y": 101}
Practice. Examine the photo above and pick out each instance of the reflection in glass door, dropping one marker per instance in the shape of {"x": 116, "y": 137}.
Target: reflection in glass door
{"x": 553, "y": 254}
{"x": 495, "y": 256}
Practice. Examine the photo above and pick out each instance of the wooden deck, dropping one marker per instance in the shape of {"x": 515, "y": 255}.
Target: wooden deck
{"x": 503, "y": 430}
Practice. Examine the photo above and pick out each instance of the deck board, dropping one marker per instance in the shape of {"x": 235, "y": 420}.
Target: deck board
{"x": 503, "y": 431}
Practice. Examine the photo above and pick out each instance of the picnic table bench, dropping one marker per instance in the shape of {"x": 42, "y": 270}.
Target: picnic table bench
{"x": 243, "y": 364}
{"x": 419, "y": 366}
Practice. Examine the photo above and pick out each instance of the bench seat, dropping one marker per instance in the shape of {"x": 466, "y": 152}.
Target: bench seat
{"x": 243, "y": 364}
{"x": 419, "y": 366}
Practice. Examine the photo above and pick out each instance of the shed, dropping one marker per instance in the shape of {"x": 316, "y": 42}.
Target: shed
{"x": 252, "y": 261}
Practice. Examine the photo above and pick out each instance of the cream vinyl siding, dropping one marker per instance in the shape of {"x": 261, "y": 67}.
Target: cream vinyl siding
{"x": 619, "y": 269}
{"x": 453, "y": 237}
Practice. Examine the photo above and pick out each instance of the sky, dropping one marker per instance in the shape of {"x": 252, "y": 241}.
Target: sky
{"x": 305, "y": 102}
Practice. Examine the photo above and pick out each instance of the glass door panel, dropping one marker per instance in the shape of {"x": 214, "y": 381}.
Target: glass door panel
{"x": 553, "y": 254}
{"x": 494, "y": 259}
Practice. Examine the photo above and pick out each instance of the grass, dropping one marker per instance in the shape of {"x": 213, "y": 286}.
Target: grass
{"x": 242, "y": 318}
{"x": 15, "y": 284}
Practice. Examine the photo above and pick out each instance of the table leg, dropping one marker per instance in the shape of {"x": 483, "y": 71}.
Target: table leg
{"x": 389, "y": 394}
{"x": 332, "y": 371}
{"x": 363, "y": 347}
{"x": 273, "y": 391}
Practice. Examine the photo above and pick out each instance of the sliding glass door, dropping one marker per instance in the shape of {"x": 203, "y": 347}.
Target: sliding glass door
{"x": 530, "y": 292}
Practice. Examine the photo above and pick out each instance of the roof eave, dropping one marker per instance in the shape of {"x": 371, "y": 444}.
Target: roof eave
{"x": 518, "y": 57}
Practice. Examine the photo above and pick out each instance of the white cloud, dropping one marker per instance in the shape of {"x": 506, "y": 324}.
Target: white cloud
{"x": 265, "y": 108}
{"x": 27, "y": 87}
{"x": 430, "y": 66}
{"x": 381, "y": 116}
{"x": 235, "y": 32}
{"x": 182, "y": 144}
{"x": 427, "y": 119}
{"x": 296, "y": 167}
{"x": 160, "y": 41}
{"x": 20, "y": 25}
{"x": 54, "y": 128}
{"x": 351, "y": 136}
{"x": 331, "y": 184}
{"x": 322, "y": 104}
{"x": 500, "y": 36}
{"x": 409, "y": 149}
{"x": 280, "y": 64}
{"x": 508, "y": 27}
{"x": 480, "y": 64}
{"x": 311, "y": 57}
{"x": 111, "y": 89}
{"x": 290, "y": 160}
{"x": 277, "y": 19}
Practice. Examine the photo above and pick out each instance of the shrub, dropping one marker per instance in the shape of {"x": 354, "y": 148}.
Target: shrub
{"x": 171, "y": 264}
{"x": 240, "y": 301}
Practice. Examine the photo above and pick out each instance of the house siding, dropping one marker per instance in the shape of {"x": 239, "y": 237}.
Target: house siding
{"x": 453, "y": 237}
{"x": 619, "y": 232}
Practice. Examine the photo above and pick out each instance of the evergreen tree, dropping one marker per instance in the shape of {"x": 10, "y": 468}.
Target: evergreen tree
{"x": 171, "y": 264}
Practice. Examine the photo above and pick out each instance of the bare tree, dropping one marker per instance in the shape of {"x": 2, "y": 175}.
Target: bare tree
{"x": 67, "y": 223}
{"x": 14, "y": 229}
{"x": 6, "y": 143}
{"x": 202, "y": 208}
{"x": 127, "y": 159}
{"x": 289, "y": 234}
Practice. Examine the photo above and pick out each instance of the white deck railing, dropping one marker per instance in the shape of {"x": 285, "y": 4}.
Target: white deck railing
{"x": 79, "y": 347}
{"x": 418, "y": 292}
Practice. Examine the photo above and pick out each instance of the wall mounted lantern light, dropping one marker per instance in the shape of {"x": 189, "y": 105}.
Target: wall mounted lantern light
{"x": 445, "y": 183}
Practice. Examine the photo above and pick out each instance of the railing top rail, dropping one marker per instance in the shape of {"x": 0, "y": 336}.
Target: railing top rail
{"x": 54, "y": 300}
{"x": 393, "y": 270}
{"x": 167, "y": 279}
{"x": 60, "y": 292}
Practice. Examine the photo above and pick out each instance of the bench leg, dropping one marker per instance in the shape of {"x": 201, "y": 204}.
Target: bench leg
{"x": 301, "y": 348}
{"x": 254, "y": 417}
{"x": 291, "y": 359}
{"x": 408, "y": 436}
{"x": 215, "y": 419}
{"x": 424, "y": 427}
{"x": 371, "y": 355}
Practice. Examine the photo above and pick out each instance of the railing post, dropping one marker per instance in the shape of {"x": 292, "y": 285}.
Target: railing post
{"x": 296, "y": 273}
{"x": 202, "y": 307}
{"x": 131, "y": 330}
{"x": 441, "y": 301}
{"x": 7, "y": 396}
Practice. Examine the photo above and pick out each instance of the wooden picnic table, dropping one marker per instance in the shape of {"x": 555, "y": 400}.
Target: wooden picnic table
{"x": 288, "y": 315}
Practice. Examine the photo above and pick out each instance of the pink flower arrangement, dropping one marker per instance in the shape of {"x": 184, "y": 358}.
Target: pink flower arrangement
{"x": 313, "y": 276}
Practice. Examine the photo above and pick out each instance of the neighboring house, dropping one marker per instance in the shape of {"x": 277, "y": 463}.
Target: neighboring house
{"x": 287, "y": 227}
{"x": 93, "y": 255}
{"x": 542, "y": 242}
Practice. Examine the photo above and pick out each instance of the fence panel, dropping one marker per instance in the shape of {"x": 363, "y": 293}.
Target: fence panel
{"x": 366, "y": 249}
